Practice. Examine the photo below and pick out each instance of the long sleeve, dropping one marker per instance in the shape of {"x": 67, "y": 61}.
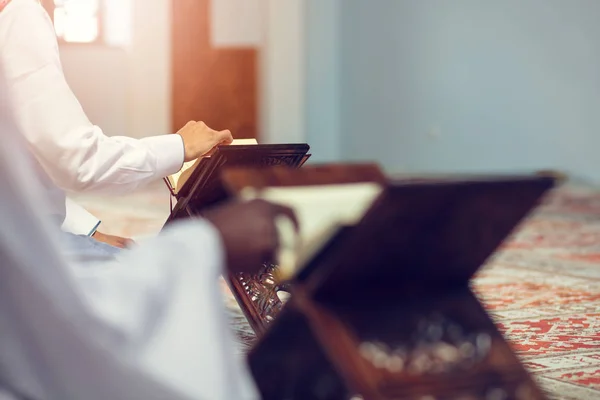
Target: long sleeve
{"x": 78, "y": 220}
{"x": 74, "y": 153}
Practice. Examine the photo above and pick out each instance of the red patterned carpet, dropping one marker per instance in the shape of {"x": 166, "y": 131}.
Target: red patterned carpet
{"x": 543, "y": 289}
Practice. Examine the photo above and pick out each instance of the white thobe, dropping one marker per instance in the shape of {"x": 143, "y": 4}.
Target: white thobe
{"x": 71, "y": 153}
{"x": 153, "y": 327}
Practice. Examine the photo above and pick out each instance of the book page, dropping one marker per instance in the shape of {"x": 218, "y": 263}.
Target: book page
{"x": 242, "y": 142}
{"x": 322, "y": 210}
{"x": 178, "y": 179}
{"x": 174, "y": 179}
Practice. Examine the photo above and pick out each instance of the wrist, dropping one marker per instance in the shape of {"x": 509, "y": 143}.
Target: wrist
{"x": 188, "y": 149}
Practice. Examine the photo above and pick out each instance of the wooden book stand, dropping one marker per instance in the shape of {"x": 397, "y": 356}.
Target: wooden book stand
{"x": 204, "y": 189}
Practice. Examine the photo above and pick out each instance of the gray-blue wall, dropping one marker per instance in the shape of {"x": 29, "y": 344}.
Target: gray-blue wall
{"x": 459, "y": 85}
{"x": 323, "y": 79}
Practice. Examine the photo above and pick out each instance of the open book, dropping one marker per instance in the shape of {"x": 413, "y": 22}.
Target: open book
{"x": 178, "y": 179}
{"x": 321, "y": 212}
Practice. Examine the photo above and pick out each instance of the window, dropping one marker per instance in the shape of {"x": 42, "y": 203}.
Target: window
{"x": 93, "y": 21}
{"x": 77, "y": 21}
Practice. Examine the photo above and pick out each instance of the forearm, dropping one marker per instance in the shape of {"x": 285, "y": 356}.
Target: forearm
{"x": 77, "y": 155}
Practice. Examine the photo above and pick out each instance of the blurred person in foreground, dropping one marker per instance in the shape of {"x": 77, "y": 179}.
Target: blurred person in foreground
{"x": 69, "y": 152}
{"x": 154, "y": 330}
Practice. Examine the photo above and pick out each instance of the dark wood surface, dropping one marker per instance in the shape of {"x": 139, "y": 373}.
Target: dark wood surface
{"x": 316, "y": 350}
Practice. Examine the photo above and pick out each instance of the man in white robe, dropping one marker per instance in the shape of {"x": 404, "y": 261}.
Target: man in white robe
{"x": 69, "y": 152}
{"x": 153, "y": 330}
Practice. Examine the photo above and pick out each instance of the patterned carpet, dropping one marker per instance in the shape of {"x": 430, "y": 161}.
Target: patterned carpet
{"x": 543, "y": 288}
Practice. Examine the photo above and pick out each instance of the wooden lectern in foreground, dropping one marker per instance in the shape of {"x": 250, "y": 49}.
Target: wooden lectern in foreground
{"x": 380, "y": 304}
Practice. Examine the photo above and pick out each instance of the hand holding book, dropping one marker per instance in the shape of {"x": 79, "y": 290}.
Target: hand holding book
{"x": 199, "y": 139}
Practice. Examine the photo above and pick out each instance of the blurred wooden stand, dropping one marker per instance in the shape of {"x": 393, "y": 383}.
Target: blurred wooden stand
{"x": 385, "y": 310}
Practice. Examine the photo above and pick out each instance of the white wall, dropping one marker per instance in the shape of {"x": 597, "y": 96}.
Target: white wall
{"x": 322, "y": 79}
{"x": 127, "y": 91}
{"x": 150, "y": 68}
{"x": 99, "y": 76}
{"x": 236, "y": 23}
{"x": 282, "y": 72}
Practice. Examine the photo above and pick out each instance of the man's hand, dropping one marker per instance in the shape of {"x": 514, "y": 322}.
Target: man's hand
{"x": 115, "y": 241}
{"x": 199, "y": 139}
{"x": 248, "y": 232}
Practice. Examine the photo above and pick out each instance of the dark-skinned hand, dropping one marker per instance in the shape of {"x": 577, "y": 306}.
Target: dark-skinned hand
{"x": 248, "y": 232}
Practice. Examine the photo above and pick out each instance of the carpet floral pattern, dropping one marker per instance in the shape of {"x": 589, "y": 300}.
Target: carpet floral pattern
{"x": 543, "y": 290}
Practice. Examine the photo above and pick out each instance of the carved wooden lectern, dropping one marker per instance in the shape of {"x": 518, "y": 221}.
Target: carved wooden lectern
{"x": 384, "y": 310}
{"x": 204, "y": 189}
